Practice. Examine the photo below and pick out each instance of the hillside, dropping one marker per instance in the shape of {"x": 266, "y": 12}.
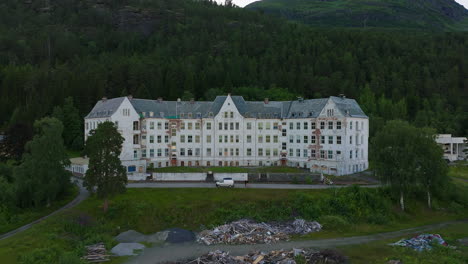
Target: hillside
{"x": 50, "y": 50}
{"x": 408, "y": 14}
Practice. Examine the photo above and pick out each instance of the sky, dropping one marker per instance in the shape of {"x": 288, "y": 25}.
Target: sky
{"x": 243, "y": 3}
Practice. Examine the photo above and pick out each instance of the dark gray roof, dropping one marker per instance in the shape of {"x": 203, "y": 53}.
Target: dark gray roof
{"x": 105, "y": 108}
{"x": 251, "y": 109}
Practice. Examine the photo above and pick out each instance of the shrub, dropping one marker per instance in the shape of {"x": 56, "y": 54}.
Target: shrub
{"x": 333, "y": 223}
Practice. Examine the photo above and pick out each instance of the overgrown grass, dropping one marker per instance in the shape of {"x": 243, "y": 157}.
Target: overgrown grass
{"x": 459, "y": 171}
{"x": 73, "y": 153}
{"x": 381, "y": 252}
{"x": 62, "y": 238}
{"x": 11, "y": 219}
{"x": 274, "y": 169}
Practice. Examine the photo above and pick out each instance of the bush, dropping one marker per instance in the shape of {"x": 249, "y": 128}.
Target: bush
{"x": 333, "y": 223}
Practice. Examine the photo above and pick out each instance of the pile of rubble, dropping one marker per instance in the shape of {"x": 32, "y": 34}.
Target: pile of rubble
{"x": 249, "y": 232}
{"x": 96, "y": 253}
{"x": 278, "y": 256}
{"x": 421, "y": 242}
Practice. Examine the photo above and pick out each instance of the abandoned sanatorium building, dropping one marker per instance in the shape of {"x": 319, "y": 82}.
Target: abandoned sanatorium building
{"x": 328, "y": 135}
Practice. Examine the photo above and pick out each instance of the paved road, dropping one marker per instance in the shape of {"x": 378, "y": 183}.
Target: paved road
{"x": 81, "y": 197}
{"x": 161, "y": 254}
{"x": 240, "y": 185}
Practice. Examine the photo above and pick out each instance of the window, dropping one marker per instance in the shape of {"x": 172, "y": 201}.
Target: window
{"x": 291, "y": 152}
{"x": 232, "y": 139}
{"x": 189, "y": 152}
{"x": 197, "y": 152}
{"x": 338, "y": 140}
{"x": 237, "y": 152}
{"x": 291, "y": 139}
{"x": 159, "y": 139}
{"x": 267, "y": 139}
{"x": 313, "y": 140}
{"x": 197, "y": 139}
{"x": 338, "y": 125}
{"x": 135, "y": 139}
{"x": 351, "y": 125}
{"x": 312, "y": 153}
{"x": 232, "y": 114}
{"x": 357, "y": 151}
{"x": 135, "y": 154}
{"x": 189, "y": 115}
{"x": 208, "y": 126}
{"x": 249, "y": 139}
{"x": 197, "y": 125}
{"x": 159, "y": 125}
{"x": 338, "y": 152}
{"x": 298, "y": 139}
{"x": 267, "y": 152}
{"x": 166, "y": 125}
{"x": 291, "y": 126}
{"x": 260, "y": 125}
{"x": 126, "y": 112}
{"x": 330, "y": 125}
{"x": 283, "y": 146}
{"x": 350, "y": 139}
{"x": 166, "y": 139}
{"x": 306, "y": 125}
{"x": 182, "y": 151}
{"x": 312, "y": 125}
{"x": 135, "y": 125}
{"x": 159, "y": 152}
{"x": 208, "y": 139}
{"x": 166, "y": 152}
{"x": 330, "y": 112}
{"x": 231, "y": 151}
{"x": 225, "y": 114}
{"x": 182, "y": 138}
{"x": 260, "y": 139}
{"x": 275, "y": 126}
{"x": 190, "y": 126}
{"x": 151, "y": 125}
{"x": 350, "y": 154}
{"x": 237, "y": 138}
{"x": 226, "y": 139}
{"x": 357, "y": 125}
{"x": 322, "y": 139}
{"x": 249, "y": 152}
{"x": 220, "y": 140}
{"x": 249, "y": 126}
{"x": 231, "y": 126}
{"x": 208, "y": 152}
{"x": 220, "y": 152}
{"x": 268, "y": 125}
{"x": 298, "y": 152}
{"x": 298, "y": 125}
{"x": 357, "y": 142}
{"x": 220, "y": 126}
{"x": 322, "y": 125}
{"x": 322, "y": 154}
{"x": 143, "y": 153}
{"x": 305, "y": 153}
{"x": 151, "y": 153}
{"x": 275, "y": 152}
{"x": 330, "y": 139}
{"x": 182, "y": 126}
{"x": 151, "y": 139}
{"x": 275, "y": 139}
{"x": 226, "y": 126}
{"x": 237, "y": 125}
{"x": 283, "y": 133}
{"x": 330, "y": 154}
{"x": 189, "y": 139}
{"x": 306, "y": 139}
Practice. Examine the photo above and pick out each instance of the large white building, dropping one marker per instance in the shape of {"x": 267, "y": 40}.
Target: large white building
{"x": 453, "y": 146}
{"x": 327, "y": 135}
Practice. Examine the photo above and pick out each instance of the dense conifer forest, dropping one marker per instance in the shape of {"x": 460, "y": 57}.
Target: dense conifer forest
{"x": 50, "y": 50}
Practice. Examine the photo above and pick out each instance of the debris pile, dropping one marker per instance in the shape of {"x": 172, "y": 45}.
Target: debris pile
{"x": 96, "y": 253}
{"x": 421, "y": 242}
{"x": 278, "y": 256}
{"x": 249, "y": 232}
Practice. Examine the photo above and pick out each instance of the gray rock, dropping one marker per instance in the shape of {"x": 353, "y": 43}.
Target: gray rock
{"x": 394, "y": 261}
{"x": 130, "y": 236}
{"x": 157, "y": 237}
{"x": 177, "y": 235}
{"x": 126, "y": 249}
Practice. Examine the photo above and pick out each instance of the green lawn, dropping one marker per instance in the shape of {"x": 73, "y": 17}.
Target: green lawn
{"x": 273, "y": 169}
{"x": 63, "y": 237}
{"x": 381, "y": 252}
{"x": 73, "y": 153}
{"x": 25, "y": 216}
{"x": 459, "y": 171}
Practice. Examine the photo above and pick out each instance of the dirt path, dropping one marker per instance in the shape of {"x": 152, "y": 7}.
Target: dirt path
{"x": 81, "y": 197}
{"x": 161, "y": 254}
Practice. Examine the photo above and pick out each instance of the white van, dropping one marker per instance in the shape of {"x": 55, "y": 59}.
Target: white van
{"x": 225, "y": 182}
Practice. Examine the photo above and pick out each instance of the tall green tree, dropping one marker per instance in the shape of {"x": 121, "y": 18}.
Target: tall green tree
{"x": 105, "y": 174}
{"x": 396, "y": 150}
{"x": 432, "y": 168}
{"x": 41, "y": 177}
{"x": 72, "y": 122}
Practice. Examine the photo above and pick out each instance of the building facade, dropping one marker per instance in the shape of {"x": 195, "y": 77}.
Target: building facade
{"x": 328, "y": 135}
{"x": 453, "y": 147}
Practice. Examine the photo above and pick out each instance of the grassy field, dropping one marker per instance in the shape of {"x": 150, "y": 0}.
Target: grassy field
{"x": 381, "y": 252}
{"x": 25, "y": 216}
{"x": 231, "y": 169}
{"x": 459, "y": 171}
{"x": 73, "y": 153}
{"x": 61, "y": 238}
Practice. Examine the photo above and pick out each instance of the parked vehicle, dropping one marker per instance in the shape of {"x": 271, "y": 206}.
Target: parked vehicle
{"x": 226, "y": 182}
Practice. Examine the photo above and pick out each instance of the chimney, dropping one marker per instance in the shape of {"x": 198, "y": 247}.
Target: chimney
{"x": 300, "y": 99}
{"x": 229, "y": 94}
{"x": 160, "y": 99}
{"x": 266, "y": 101}
{"x": 130, "y": 96}
{"x": 192, "y": 100}
{"x": 342, "y": 96}
{"x": 178, "y": 100}
{"x": 104, "y": 99}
